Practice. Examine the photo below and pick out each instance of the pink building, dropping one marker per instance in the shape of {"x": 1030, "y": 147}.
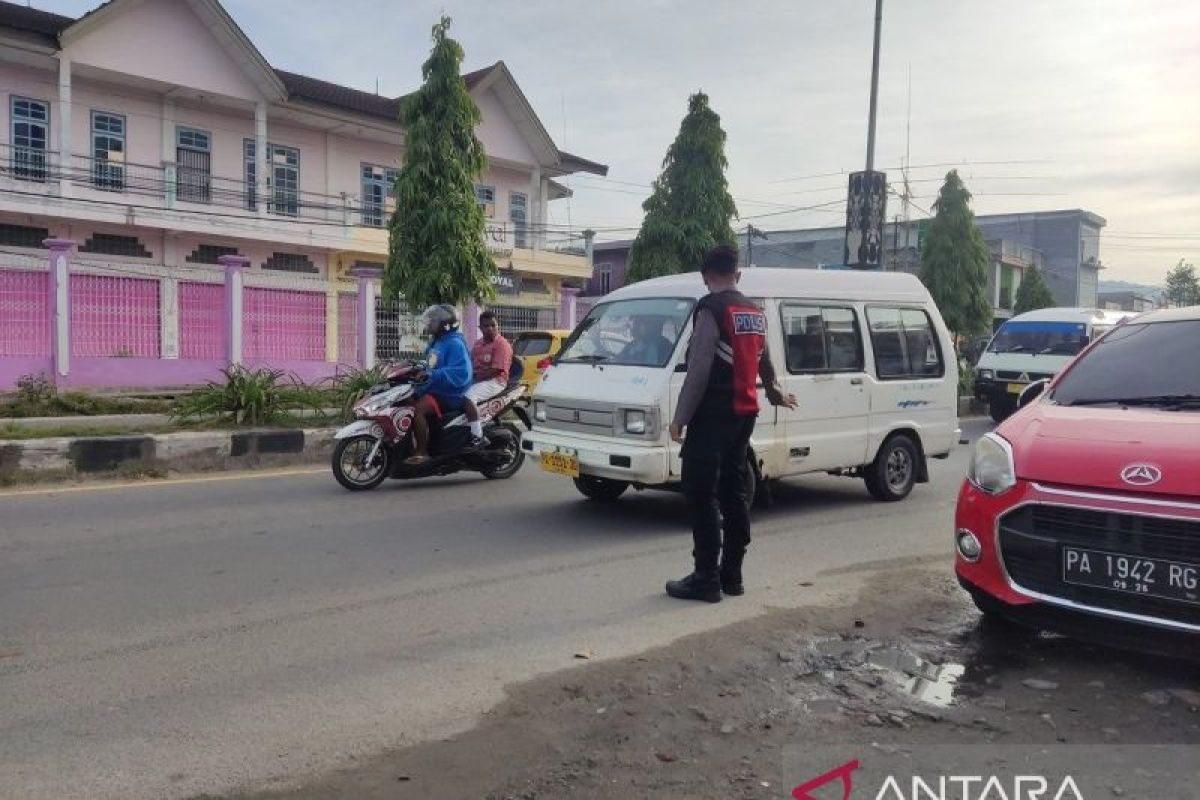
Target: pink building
{"x": 170, "y": 202}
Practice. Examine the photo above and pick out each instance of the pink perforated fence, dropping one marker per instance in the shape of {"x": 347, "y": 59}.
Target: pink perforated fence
{"x": 284, "y": 324}
{"x": 114, "y": 317}
{"x": 24, "y": 313}
{"x": 347, "y": 328}
{"x": 202, "y": 321}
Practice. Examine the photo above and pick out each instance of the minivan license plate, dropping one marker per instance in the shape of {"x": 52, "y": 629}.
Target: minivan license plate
{"x": 1153, "y": 577}
{"x": 561, "y": 464}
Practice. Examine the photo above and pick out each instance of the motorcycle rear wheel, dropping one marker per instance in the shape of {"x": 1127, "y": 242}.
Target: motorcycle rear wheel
{"x": 348, "y": 466}
{"x": 516, "y": 456}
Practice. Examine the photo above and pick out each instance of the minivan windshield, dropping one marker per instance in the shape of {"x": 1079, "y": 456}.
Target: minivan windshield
{"x": 641, "y": 333}
{"x": 1150, "y": 364}
{"x": 1040, "y": 338}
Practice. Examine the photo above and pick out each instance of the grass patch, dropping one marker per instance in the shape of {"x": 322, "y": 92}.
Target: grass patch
{"x": 15, "y": 432}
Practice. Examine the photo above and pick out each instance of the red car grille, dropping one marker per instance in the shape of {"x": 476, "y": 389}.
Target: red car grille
{"x": 1031, "y": 538}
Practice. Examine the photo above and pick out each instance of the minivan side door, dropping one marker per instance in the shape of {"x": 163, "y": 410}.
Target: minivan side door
{"x": 910, "y": 386}
{"x": 824, "y": 367}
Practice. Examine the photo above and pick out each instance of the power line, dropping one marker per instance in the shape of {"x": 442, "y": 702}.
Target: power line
{"x": 919, "y": 166}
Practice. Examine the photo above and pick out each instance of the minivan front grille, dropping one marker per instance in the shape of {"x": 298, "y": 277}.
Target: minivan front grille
{"x": 1013, "y": 375}
{"x": 580, "y": 417}
{"x": 1031, "y": 539}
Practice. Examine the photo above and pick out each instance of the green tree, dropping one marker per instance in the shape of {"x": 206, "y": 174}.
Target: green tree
{"x": 1033, "y": 293}
{"x": 954, "y": 261}
{"x": 1183, "y": 287}
{"x": 690, "y": 208}
{"x": 436, "y": 248}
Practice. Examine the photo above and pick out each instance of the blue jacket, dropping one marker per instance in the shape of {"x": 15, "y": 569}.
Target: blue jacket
{"x": 449, "y": 366}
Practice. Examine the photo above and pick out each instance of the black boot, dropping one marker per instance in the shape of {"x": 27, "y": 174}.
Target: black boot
{"x": 731, "y": 574}
{"x": 704, "y": 586}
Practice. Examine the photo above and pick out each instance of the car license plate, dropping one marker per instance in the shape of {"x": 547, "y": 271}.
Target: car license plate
{"x": 561, "y": 464}
{"x": 1016, "y": 388}
{"x": 1154, "y": 577}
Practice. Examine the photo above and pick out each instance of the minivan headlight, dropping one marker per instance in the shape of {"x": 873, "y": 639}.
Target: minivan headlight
{"x": 986, "y": 375}
{"x": 539, "y": 410}
{"x": 635, "y": 422}
{"x": 992, "y": 469}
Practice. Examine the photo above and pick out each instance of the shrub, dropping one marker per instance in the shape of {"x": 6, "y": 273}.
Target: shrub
{"x": 249, "y": 397}
{"x": 348, "y": 387}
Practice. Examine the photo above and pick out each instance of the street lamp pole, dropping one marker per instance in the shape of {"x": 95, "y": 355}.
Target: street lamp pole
{"x": 874, "y": 87}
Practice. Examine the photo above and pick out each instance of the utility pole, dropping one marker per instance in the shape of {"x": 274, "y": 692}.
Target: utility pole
{"x": 866, "y": 197}
{"x": 752, "y": 233}
{"x": 874, "y": 87}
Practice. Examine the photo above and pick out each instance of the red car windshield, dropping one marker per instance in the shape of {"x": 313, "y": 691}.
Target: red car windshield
{"x": 1154, "y": 364}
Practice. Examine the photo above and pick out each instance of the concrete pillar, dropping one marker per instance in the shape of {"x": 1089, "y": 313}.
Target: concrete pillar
{"x": 60, "y": 305}
{"x": 65, "y": 160}
{"x": 470, "y": 321}
{"x": 262, "y": 166}
{"x": 368, "y": 282}
{"x": 235, "y": 267}
{"x": 170, "y": 173}
{"x": 168, "y": 317}
{"x": 589, "y": 243}
{"x": 533, "y": 210}
{"x": 567, "y": 305}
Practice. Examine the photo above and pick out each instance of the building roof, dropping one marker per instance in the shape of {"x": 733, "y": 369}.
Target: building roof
{"x": 623, "y": 244}
{"x": 47, "y": 29}
{"x": 33, "y": 22}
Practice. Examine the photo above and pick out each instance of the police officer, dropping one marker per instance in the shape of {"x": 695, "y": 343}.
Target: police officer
{"x": 718, "y": 406}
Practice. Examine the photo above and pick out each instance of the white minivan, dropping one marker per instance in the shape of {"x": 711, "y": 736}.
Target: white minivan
{"x": 1034, "y": 346}
{"x": 865, "y": 353}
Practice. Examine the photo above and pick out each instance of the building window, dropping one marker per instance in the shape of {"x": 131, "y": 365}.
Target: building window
{"x": 905, "y": 344}
{"x": 377, "y": 185}
{"x": 821, "y": 339}
{"x": 518, "y": 208}
{"x": 251, "y": 172}
{"x": 193, "y": 157}
{"x": 285, "y": 180}
{"x": 486, "y": 197}
{"x": 291, "y": 262}
{"x": 23, "y": 236}
{"x": 110, "y": 244}
{"x": 210, "y": 254}
{"x": 108, "y": 151}
{"x": 604, "y": 278}
{"x": 30, "y": 138}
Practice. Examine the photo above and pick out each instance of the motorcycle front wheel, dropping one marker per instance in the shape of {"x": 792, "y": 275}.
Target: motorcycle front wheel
{"x": 350, "y": 465}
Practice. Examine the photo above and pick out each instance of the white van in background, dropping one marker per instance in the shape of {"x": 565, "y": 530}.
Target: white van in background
{"x": 866, "y": 354}
{"x": 1033, "y": 346}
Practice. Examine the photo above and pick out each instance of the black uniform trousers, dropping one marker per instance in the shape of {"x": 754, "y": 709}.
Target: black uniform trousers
{"x": 714, "y": 481}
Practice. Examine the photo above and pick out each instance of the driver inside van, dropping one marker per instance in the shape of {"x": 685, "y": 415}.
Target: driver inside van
{"x": 649, "y": 348}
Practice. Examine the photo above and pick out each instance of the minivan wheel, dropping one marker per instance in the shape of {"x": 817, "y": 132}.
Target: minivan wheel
{"x": 894, "y": 472}
{"x": 1002, "y": 408}
{"x": 604, "y": 490}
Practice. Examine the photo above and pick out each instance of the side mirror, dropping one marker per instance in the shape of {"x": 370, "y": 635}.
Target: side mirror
{"x": 1032, "y": 392}
{"x": 681, "y": 366}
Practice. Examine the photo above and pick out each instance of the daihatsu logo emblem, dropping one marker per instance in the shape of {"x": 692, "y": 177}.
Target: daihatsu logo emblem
{"x": 1141, "y": 475}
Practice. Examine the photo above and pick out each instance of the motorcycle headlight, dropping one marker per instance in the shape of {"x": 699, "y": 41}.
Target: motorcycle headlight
{"x": 986, "y": 375}
{"x": 992, "y": 469}
{"x": 635, "y": 422}
{"x": 539, "y": 410}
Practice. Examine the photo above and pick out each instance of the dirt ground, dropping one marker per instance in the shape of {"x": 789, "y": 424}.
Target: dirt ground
{"x": 910, "y": 662}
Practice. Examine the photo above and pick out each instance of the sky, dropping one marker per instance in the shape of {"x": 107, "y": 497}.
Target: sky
{"x": 1040, "y": 105}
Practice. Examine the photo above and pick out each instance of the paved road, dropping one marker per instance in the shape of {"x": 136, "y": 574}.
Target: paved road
{"x": 163, "y": 640}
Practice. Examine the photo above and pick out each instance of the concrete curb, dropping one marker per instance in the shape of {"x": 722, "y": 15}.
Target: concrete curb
{"x": 35, "y": 459}
{"x": 131, "y": 422}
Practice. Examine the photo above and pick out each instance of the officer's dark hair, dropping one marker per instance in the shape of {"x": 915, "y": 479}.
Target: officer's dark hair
{"x": 488, "y": 315}
{"x": 721, "y": 260}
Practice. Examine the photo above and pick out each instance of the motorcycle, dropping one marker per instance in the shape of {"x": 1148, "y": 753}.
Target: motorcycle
{"x": 375, "y": 445}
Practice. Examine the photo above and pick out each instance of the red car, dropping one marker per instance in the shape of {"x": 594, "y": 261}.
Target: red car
{"x": 1081, "y": 513}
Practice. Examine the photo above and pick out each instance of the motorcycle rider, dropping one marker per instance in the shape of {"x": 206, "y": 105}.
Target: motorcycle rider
{"x": 447, "y": 378}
